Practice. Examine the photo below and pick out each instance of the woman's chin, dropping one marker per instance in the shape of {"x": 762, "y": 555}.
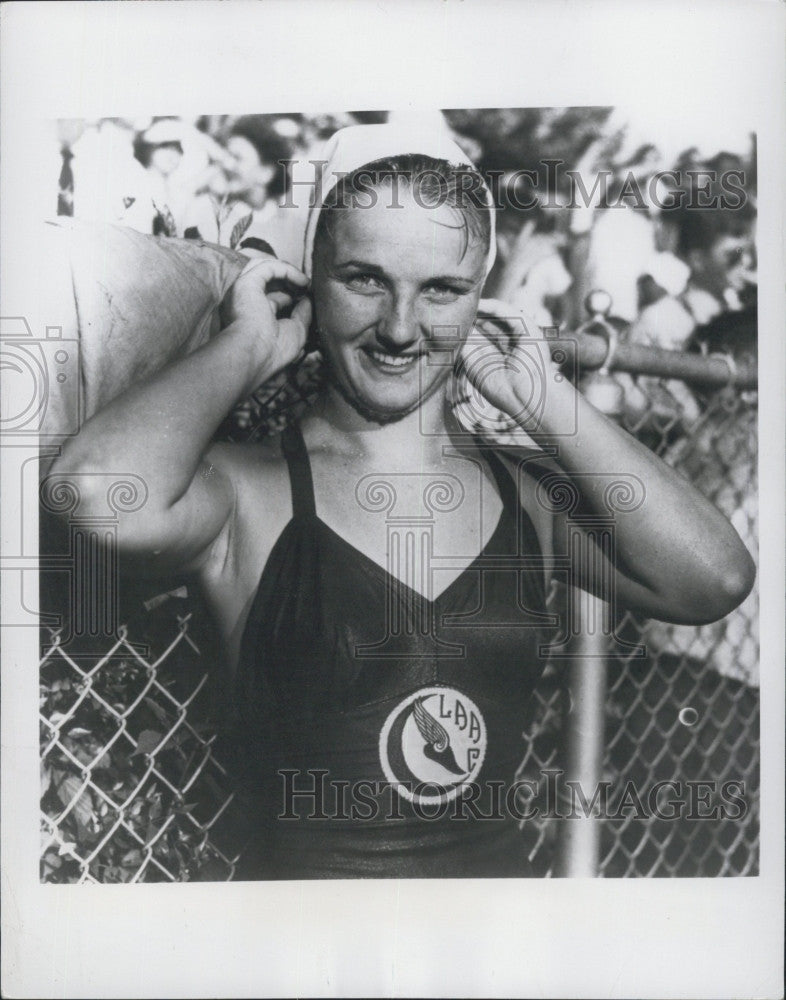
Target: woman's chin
{"x": 381, "y": 404}
{"x": 379, "y": 411}
{"x": 375, "y": 407}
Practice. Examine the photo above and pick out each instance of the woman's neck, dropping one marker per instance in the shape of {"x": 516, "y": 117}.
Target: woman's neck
{"x": 421, "y": 432}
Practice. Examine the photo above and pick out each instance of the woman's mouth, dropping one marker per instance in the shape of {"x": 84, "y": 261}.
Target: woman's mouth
{"x": 387, "y": 363}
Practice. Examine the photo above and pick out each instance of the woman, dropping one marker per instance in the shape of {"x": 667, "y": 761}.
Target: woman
{"x": 380, "y": 576}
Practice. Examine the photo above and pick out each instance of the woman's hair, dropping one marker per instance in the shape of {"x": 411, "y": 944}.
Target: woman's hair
{"x": 143, "y": 151}
{"x": 432, "y": 182}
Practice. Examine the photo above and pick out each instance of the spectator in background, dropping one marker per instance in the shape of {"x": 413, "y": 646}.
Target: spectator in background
{"x": 160, "y": 151}
{"x": 109, "y": 182}
{"x": 613, "y": 217}
{"x": 170, "y": 177}
{"x": 247, "y": 194}
{"x": 714, "y": 310}
{"x": 534, "y": 277}
{"x": 141, "y": 175}
{"x": 258, "y": 150}
{"x": 710, "y": 274}
{"x": 716, "y": 249}
{"x": 180, "y": 161}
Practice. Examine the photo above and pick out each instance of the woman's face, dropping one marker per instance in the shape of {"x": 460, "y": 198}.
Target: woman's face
{"x": 396, "y": 291}
{"x": 726, "y": 264}
{"x": 166, "y": 158}
{"x": 251, "y": 175}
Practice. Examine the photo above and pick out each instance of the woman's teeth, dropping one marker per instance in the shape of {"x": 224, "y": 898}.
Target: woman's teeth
{"x": 393, "y": 360}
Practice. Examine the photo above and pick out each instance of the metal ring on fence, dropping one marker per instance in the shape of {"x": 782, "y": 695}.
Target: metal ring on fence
{"x": 598, "y": 304}
{"x": 731, "y": 364}
{"x": 612, "y": 342}
{"x": 599, "y": 327}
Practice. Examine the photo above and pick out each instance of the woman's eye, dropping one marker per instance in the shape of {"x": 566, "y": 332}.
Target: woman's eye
{"x": 443, "y": 293}
{"x": 363, "y": 282}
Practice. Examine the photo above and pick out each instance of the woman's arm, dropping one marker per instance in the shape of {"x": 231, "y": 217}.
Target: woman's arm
{"x": 160, "y": 429}
{"x": 677, "y": 558}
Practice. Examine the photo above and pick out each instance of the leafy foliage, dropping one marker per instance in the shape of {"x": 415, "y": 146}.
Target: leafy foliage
{"x": 239, "y": 230}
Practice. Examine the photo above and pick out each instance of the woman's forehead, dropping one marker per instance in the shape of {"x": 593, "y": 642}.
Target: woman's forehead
{"x": 401, "y": 229}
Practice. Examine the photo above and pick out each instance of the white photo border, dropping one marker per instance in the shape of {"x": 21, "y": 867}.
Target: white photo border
{"x": 624, "y": 937}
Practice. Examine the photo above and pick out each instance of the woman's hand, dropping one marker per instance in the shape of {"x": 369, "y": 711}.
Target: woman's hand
{"x": 509, "y": 363}
{"x": 259, "y": 304}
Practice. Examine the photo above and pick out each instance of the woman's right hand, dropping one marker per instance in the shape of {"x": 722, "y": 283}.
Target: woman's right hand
{"x": 258, "y": 303}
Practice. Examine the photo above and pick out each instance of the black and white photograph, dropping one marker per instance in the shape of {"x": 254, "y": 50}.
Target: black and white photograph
{"x": 383, "y": 505}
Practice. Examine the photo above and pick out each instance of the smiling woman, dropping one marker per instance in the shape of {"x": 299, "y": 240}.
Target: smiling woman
{"x": 393, "y": 287}
{"x": 378, "y": 574}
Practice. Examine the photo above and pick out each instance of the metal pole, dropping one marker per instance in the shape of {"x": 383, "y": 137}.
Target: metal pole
{"x": 579, "y": 841}
{"x": 589, "y": 351}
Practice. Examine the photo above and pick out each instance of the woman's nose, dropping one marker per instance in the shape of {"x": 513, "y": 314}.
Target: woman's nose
{"x": 399, "y": 327}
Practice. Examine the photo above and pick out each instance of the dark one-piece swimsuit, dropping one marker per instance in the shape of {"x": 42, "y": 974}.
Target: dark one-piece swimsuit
{"x": 379, "y": 733}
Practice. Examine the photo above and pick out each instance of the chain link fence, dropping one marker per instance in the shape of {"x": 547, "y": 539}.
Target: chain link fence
{"x": 687, "y": 713}
{"x": 690, "y": 711}
{"x": 131, "y": 790}
{"x": 134, "y": 791}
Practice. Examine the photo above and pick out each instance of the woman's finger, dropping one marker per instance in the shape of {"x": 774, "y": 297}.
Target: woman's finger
{"x": 509, "y": 314}
{"x": 497, "y": 334}
{"x": 300, "y": 320}
{"x": 271, "y": 269}
{"x": 280, "y": 300}
{"x": 481, "y": 352}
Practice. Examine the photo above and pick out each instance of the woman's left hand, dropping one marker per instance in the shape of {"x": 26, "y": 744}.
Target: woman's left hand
{"x": 508, "y": 361}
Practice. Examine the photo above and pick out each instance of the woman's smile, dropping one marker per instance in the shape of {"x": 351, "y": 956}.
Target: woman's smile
{"x": 392, "y": 364}
{"x": 394, "y": 288}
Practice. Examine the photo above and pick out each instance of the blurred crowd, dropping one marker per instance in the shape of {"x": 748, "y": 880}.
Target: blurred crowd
{"x": 668, "y": 271}
{"x": 208, "y": 178}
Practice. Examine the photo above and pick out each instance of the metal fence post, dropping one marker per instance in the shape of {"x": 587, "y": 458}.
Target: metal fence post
{"x": 579, "y": 842}
{"x": 578, "y": 852}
